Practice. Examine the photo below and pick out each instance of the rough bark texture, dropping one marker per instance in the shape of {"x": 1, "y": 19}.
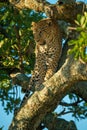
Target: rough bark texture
{"x": 51, "y": 93}
{"x": 70, "y": 72}
{"x": 66, "y": 11}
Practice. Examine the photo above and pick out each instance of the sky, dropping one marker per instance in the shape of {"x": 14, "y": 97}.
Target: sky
{"x": 5, "y": 119}
{"x": 52, "y": 1}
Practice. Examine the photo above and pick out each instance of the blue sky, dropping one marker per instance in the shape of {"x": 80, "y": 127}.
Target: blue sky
{"x": 52, "y": 1}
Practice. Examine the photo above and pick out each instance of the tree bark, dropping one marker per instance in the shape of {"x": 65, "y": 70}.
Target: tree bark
{"x": 79, "y": 88}
{"x": 67, "y": 12}
{"x": 49, "y": 96}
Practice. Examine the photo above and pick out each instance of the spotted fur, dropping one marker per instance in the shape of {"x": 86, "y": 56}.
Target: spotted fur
{"x": 48, "y": 38}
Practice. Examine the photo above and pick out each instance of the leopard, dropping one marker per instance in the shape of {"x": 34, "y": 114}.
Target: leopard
{"x": 48, "y": 38}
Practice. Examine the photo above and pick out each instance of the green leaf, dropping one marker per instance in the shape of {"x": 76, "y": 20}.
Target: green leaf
{"x": 78, "y": 18}
{"x": 77, "y": 22}
{"x": 85, "y": 104}
{"x": 84, "y": 35}
{"x": 84, "y": 25}
{"x": 79, "y": 29}
{"x": 80, "y": 43}
{"x": 82, "y": 21}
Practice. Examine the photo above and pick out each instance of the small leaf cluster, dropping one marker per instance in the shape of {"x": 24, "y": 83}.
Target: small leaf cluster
{"x": 9, "y": 98}
{"x": 79, "y": 111}
{"x": 77, "y": 107}
{"x": 16, "y": 37}
{"x": 79, "y": 45}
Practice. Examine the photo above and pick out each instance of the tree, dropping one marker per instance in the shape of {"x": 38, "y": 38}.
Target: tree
{"x": 71, "y": 76}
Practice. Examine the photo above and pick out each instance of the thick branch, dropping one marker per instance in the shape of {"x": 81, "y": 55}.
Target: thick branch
{"x": 51, "y": 93}
{"x": 79, "y": 88}
{"x": 20, "y": 79}
{"x": 67, "y": 12}
{"x": 37, "y": 5}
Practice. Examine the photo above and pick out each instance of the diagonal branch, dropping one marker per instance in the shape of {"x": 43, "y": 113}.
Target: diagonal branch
{"x": 50, "y": 94}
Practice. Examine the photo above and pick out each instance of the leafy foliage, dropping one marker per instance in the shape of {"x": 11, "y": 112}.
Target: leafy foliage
{"x": 80, "y": 44}
{"x": 10, "y": 99}
{"x": 76, "y": 106}
{"x": 16, "y": 48}
{"x": 16, "y": 37}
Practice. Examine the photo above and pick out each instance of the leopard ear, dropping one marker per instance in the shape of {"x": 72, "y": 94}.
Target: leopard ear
{"x": 33, "y": 25}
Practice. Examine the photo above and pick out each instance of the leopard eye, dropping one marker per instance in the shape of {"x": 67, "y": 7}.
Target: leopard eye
{"x": 40, "y": 33}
